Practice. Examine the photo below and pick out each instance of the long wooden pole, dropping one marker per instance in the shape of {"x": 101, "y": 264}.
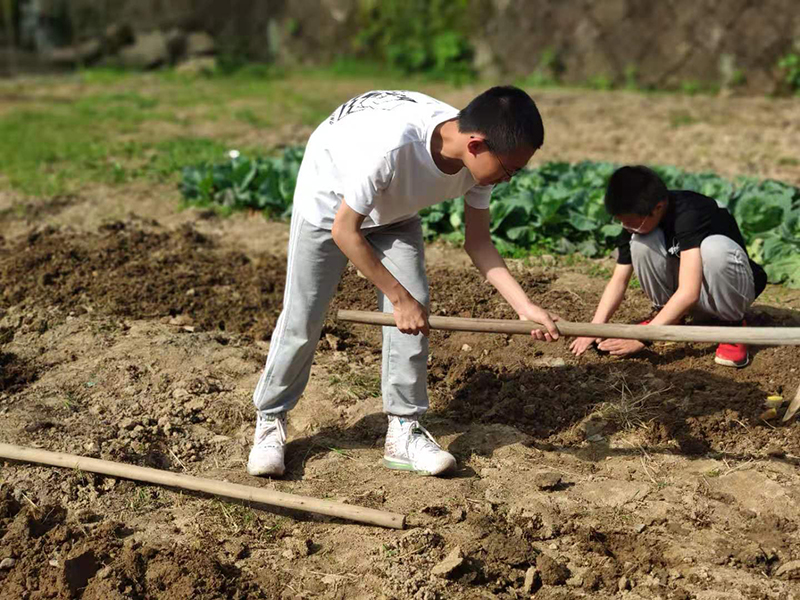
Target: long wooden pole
{"x": 208, "y": 486}
{"x": 757, "y": 336}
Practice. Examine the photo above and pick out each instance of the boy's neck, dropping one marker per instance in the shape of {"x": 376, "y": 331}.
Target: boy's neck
{"x": 447, "y": 147}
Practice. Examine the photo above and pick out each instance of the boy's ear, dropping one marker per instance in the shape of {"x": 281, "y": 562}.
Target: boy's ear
{"x": 476, "y": 145}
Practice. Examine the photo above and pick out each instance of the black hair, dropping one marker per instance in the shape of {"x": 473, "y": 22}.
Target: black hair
{"x": 634, "y": 190}
{"x": 507, "y": 117}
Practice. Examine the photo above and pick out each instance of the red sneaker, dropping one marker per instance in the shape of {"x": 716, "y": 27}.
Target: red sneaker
{"x": 733, "y": 355}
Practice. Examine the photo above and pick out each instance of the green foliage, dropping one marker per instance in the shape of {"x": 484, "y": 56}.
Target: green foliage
{"x": 265, "y": 184}
{"x": 557, "y": 207}
{"x": 417, "y": 36}
{"x": 601, "y": 82}
{"x": 548, "y": 72}
{"x": 790, "y": 64}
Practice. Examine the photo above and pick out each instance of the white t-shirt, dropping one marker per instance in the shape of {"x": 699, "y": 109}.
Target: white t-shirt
{"x": 375, "y": 153}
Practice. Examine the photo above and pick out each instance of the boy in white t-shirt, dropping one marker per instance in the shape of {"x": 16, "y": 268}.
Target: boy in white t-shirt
{"x": 367, "y": 170}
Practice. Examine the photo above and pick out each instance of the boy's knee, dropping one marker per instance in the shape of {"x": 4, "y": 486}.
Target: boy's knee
{"x": 716, "y": 251}
{"x": 644, "y": 246}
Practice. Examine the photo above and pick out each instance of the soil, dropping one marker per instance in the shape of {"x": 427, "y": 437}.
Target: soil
{"x": 139, "y": 338}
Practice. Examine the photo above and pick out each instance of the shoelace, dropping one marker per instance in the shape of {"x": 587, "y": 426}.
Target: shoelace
{"x": 420, "y": 440}
{"x": 270, "y": 425}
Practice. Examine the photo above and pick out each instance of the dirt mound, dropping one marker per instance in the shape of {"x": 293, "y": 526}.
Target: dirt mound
{"x": 61, "y": 555}
{"x": 138, "y": 270}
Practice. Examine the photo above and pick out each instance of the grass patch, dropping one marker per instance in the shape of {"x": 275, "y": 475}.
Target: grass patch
{"x": 356, "y": 385}
{"x": 90, "y": 128}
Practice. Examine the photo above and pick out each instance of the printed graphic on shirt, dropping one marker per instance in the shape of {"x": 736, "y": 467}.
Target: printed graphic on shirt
{"x": 675, "y": 248}
{"x": 370, "y": 101}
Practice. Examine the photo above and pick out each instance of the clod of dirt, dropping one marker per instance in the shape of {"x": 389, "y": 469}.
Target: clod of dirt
{"x": 297, "y": 547}
{"x": 79, "y": 570}
{"x": 624, "y": 584}
{"x": 547, "y": 480}
{"x": 551, "y": 571}
{"x": 531, "y": 580}
{"x": 592, "y": 425}
{"x": 448, "y": 566}
{"x": 789, "y": 570}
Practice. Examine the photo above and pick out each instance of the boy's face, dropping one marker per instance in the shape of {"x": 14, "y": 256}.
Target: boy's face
{"x": 642, "y": 224}
{"x": 490, "y": 168}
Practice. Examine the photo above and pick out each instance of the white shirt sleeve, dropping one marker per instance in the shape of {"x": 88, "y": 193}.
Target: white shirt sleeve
{"x": 366, "y": 182}
{"x": 479, "y": 196}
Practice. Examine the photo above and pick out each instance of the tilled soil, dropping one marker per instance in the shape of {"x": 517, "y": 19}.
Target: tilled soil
{"x": 132, "y": 332}
{"x": 652, "y": 477}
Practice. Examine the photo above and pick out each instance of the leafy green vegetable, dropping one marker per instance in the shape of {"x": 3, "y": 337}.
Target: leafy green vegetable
{"x": 557, "y": 207}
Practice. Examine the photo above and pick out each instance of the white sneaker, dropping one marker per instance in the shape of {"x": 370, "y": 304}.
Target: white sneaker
{"x": 410, "y": 447}
{"x": 269, "y": 441}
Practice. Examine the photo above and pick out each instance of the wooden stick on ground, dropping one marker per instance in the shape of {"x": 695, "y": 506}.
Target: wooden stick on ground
{"x": 757, "y": 336}
{"x": 793, "y": 407}
{"x": 208, "y": 486}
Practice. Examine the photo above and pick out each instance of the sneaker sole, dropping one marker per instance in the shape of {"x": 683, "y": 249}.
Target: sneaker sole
{"x": 403, "y": 466}
{"x": 729, "y": 363}
{"x": 264, "y": 472}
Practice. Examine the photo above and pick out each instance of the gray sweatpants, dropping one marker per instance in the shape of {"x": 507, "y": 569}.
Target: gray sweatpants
{"x": 314, "y": 267}
{"x": 728, "y": 288}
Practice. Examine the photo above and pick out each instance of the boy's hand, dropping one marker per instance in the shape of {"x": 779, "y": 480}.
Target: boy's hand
{"x": 619, "y": 347}
{"x": 411, "y": 317}
{"x": 539, "y": 315}
{"x": 581, "y": 344}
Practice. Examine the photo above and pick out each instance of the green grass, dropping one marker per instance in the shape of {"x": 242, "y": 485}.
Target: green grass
{"x": 110, "y": 126}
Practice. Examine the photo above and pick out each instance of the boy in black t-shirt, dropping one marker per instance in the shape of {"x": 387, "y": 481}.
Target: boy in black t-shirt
{"x": 688, "y": 254}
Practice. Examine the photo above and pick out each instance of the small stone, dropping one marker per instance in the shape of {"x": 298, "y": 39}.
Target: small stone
{"x": 789, "y": 570}
{"x": 7, "y": 563}
{"x": 624, "y": 584}
{"x": 575, "y": 581}
{"x": 179, "y": 393}
{"x": 592, "y": 425}
{"x": 530, "y": 580}
{"x": 547, "y": 480}
{"x": 181, "y": 320}
{"x": 449, "y": 564}
{"x": 639, "y": 528}
{"x": 551, "y": 571}
{"x": 775, "y": 450}
{"x": 104, "y": 572}
{"x": 466, "y": 348}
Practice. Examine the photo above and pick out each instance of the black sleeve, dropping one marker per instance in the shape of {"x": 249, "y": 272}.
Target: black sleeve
{"x": 624, "y": 249}
{"x": 692, "y": 226}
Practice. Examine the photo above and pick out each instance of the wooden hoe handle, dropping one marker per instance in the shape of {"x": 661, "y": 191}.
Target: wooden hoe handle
{"x": 208, "y": 486}
{"x": 757, "y": 336}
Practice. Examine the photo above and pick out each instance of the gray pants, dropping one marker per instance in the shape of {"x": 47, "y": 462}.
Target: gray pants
{"x": 314, "y": 267}
{"x": 727, "y": 290}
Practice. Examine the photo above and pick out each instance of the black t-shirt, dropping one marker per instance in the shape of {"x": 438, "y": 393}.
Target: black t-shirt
{"x": 691, "y": 218}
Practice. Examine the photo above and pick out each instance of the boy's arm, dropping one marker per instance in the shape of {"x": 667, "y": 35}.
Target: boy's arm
{"x": 690, "y": 280}
{"x": 479, "y": 247}
{"x": 410, "y": 315}
{"x": 612, "y": 297}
